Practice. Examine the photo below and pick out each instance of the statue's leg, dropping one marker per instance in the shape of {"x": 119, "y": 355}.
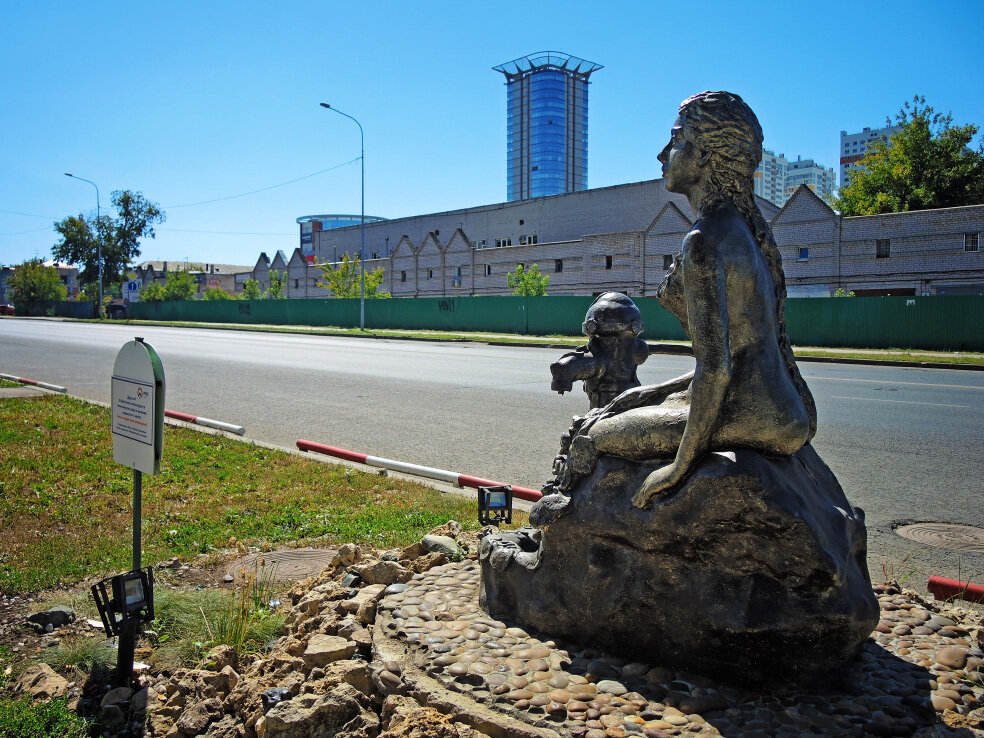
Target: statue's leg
{"x": 641, "y": 434}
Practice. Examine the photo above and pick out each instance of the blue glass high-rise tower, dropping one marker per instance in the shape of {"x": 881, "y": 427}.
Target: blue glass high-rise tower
{"x": 546, "y": 124}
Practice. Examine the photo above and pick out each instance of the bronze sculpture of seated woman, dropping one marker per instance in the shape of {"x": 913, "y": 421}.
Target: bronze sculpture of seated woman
{"x": 727, "y": 289}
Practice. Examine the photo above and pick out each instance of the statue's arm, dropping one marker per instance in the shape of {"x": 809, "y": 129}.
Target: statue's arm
{"x": 707, "y": 310}
{"x": 652, "y": 394}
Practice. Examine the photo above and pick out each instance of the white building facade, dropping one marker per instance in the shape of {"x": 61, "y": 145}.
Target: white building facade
{"x": 854, "y": 147}
{"x": 625, "y": 238}
{"x": 777, "y": 178}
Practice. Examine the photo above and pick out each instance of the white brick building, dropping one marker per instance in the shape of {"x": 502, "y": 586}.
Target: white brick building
{"x": 624, "y": 238}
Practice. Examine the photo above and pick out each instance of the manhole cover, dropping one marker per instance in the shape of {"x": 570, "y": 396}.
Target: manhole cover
{"x": 294, "y": 563}
{"x": 944, "y": 535}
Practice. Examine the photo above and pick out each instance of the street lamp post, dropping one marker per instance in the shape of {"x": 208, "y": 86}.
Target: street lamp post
{"x": 362, "y": 222}
{"x": 98, "y": 240}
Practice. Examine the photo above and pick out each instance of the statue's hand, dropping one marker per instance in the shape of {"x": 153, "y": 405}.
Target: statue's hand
{"x": 626, "y": 401}
{"x": 660, "y": 481}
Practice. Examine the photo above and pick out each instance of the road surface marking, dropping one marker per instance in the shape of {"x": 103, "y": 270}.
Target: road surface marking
{"x": 897, "y": 402}
{"x": 887, "y": 381}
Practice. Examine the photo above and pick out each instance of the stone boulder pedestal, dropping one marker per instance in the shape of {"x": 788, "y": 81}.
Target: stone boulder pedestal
{"x": 752, "y": 571}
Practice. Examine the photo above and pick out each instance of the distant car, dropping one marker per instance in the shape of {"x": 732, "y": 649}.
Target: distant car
{"x": 6, "y": 308}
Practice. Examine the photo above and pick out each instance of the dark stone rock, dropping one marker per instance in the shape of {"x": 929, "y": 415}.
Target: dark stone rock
{"x": 275, "y": 696}
{"x": 351, "y": 579}
{"x": 56, "y": 617}
{"x": 752, "y": 570}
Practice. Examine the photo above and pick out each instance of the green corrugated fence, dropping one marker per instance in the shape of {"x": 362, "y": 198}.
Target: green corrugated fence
{"x": 937, "y": 323}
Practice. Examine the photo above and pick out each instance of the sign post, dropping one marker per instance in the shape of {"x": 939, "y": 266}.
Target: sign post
{"x": 137, "y": 408}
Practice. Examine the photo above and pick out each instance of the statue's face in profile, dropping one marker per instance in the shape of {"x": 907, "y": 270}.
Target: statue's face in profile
{"x": 679, "y": 158}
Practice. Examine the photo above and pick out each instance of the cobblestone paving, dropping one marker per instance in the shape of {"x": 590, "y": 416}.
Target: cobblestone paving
{"x": 921, "y": 666}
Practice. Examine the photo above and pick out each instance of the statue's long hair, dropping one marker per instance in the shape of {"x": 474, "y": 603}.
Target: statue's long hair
{"x": 726, "y": 130}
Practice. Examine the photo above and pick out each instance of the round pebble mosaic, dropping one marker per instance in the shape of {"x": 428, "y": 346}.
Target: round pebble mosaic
{"x": 945, "y": 535}
{"x": 917, "y": 664}
{"x": 288, "y": 565}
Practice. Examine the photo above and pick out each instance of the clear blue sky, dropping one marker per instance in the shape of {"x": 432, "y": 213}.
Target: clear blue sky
{"x": 195, "y": 101}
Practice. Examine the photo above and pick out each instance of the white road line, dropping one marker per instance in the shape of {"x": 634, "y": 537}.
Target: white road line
{"x": 897, "y": 402}
{"x": 886, "y": 381}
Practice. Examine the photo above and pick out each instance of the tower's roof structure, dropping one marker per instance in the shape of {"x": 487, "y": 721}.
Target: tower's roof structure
{"x": 542, "y": 60}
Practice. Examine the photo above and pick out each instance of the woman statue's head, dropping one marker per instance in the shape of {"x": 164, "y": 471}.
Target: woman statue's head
{"x": 727, "y": 141}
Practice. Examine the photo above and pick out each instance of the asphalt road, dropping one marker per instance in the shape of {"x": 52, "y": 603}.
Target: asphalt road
{"x": 905, "y": 443}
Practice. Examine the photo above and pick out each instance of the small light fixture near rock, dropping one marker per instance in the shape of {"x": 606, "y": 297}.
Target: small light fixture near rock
{"x": 495, "y": 505}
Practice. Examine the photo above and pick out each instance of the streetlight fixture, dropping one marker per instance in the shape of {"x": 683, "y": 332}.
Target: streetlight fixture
{"x": 362, "y": 222}
{"x": 98, "y": 240}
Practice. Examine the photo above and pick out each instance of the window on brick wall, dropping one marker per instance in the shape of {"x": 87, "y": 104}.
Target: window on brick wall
{"x": 558, "y": 265}
{"x": 608, "y": 262}
{"x": 488, "y": 270}
{"x": 883, "y": 248}
{"x": 527, "y": 240}
{"x": 971, "y": 241}
{"x": 500, "y": 242}
{"x": 481, "y": 244}
{"x": 803, "y": 254}
{"x": 667, "y": 261}
{"x": 297, "y": 283}
{"x": 403, "y": 276}
{"x": 430, "y": 274}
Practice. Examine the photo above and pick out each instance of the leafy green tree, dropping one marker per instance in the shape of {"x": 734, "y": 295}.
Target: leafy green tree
{"x": 153, "y": 292}
{"x": 251, "y": 290}
{"x": 528, "y": 282}
{"x": 88, "y": 292}
{"x": 32, "y": 282}
{"x": 216, "y": 293}
{"x": 841, "y": 292}
{"x": 343, "y": 280}
{"x": 277, "y": 283}
{"x": 119, "y": 236}
{"x": 180, "y": 286}
{"x": 927, "y": 164}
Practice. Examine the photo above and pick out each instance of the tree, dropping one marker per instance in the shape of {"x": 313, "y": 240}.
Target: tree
{"x": 528, "y": 282}
{"x": 32, "y": 282}
{"x": 153, "y": 292}
{"x": 343, "y": 280}
{"x": 216, "y": 293}
{"x": 180, "y": 286}
{"x": 119, "y": 237}
{"x": 251, "y": 290}
{"x": 927, "y": 164}
{"x": 277, "y": 282}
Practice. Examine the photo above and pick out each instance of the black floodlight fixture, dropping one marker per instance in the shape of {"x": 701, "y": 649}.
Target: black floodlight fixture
{"x": 495, "y": 505}
{"x": 125, "y": 598}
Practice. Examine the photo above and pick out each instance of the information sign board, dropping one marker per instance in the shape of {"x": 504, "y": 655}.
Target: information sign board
{"x": 137, "y": 405}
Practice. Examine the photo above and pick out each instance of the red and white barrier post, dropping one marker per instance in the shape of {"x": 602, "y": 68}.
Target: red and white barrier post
{"x": 208, "y": 422}
{"x": 459, "y": 480}
{"x": 944, "y": 589}
{"x": 33, "y": 382}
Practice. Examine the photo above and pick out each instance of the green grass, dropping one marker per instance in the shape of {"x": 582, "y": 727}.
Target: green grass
{"x": 78, "y": 656}
{"x": 190, "y": 622}
{"x": 19, "y": 718}
{"x": 903, "y": 355}
{"x": 65, "y": 506}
